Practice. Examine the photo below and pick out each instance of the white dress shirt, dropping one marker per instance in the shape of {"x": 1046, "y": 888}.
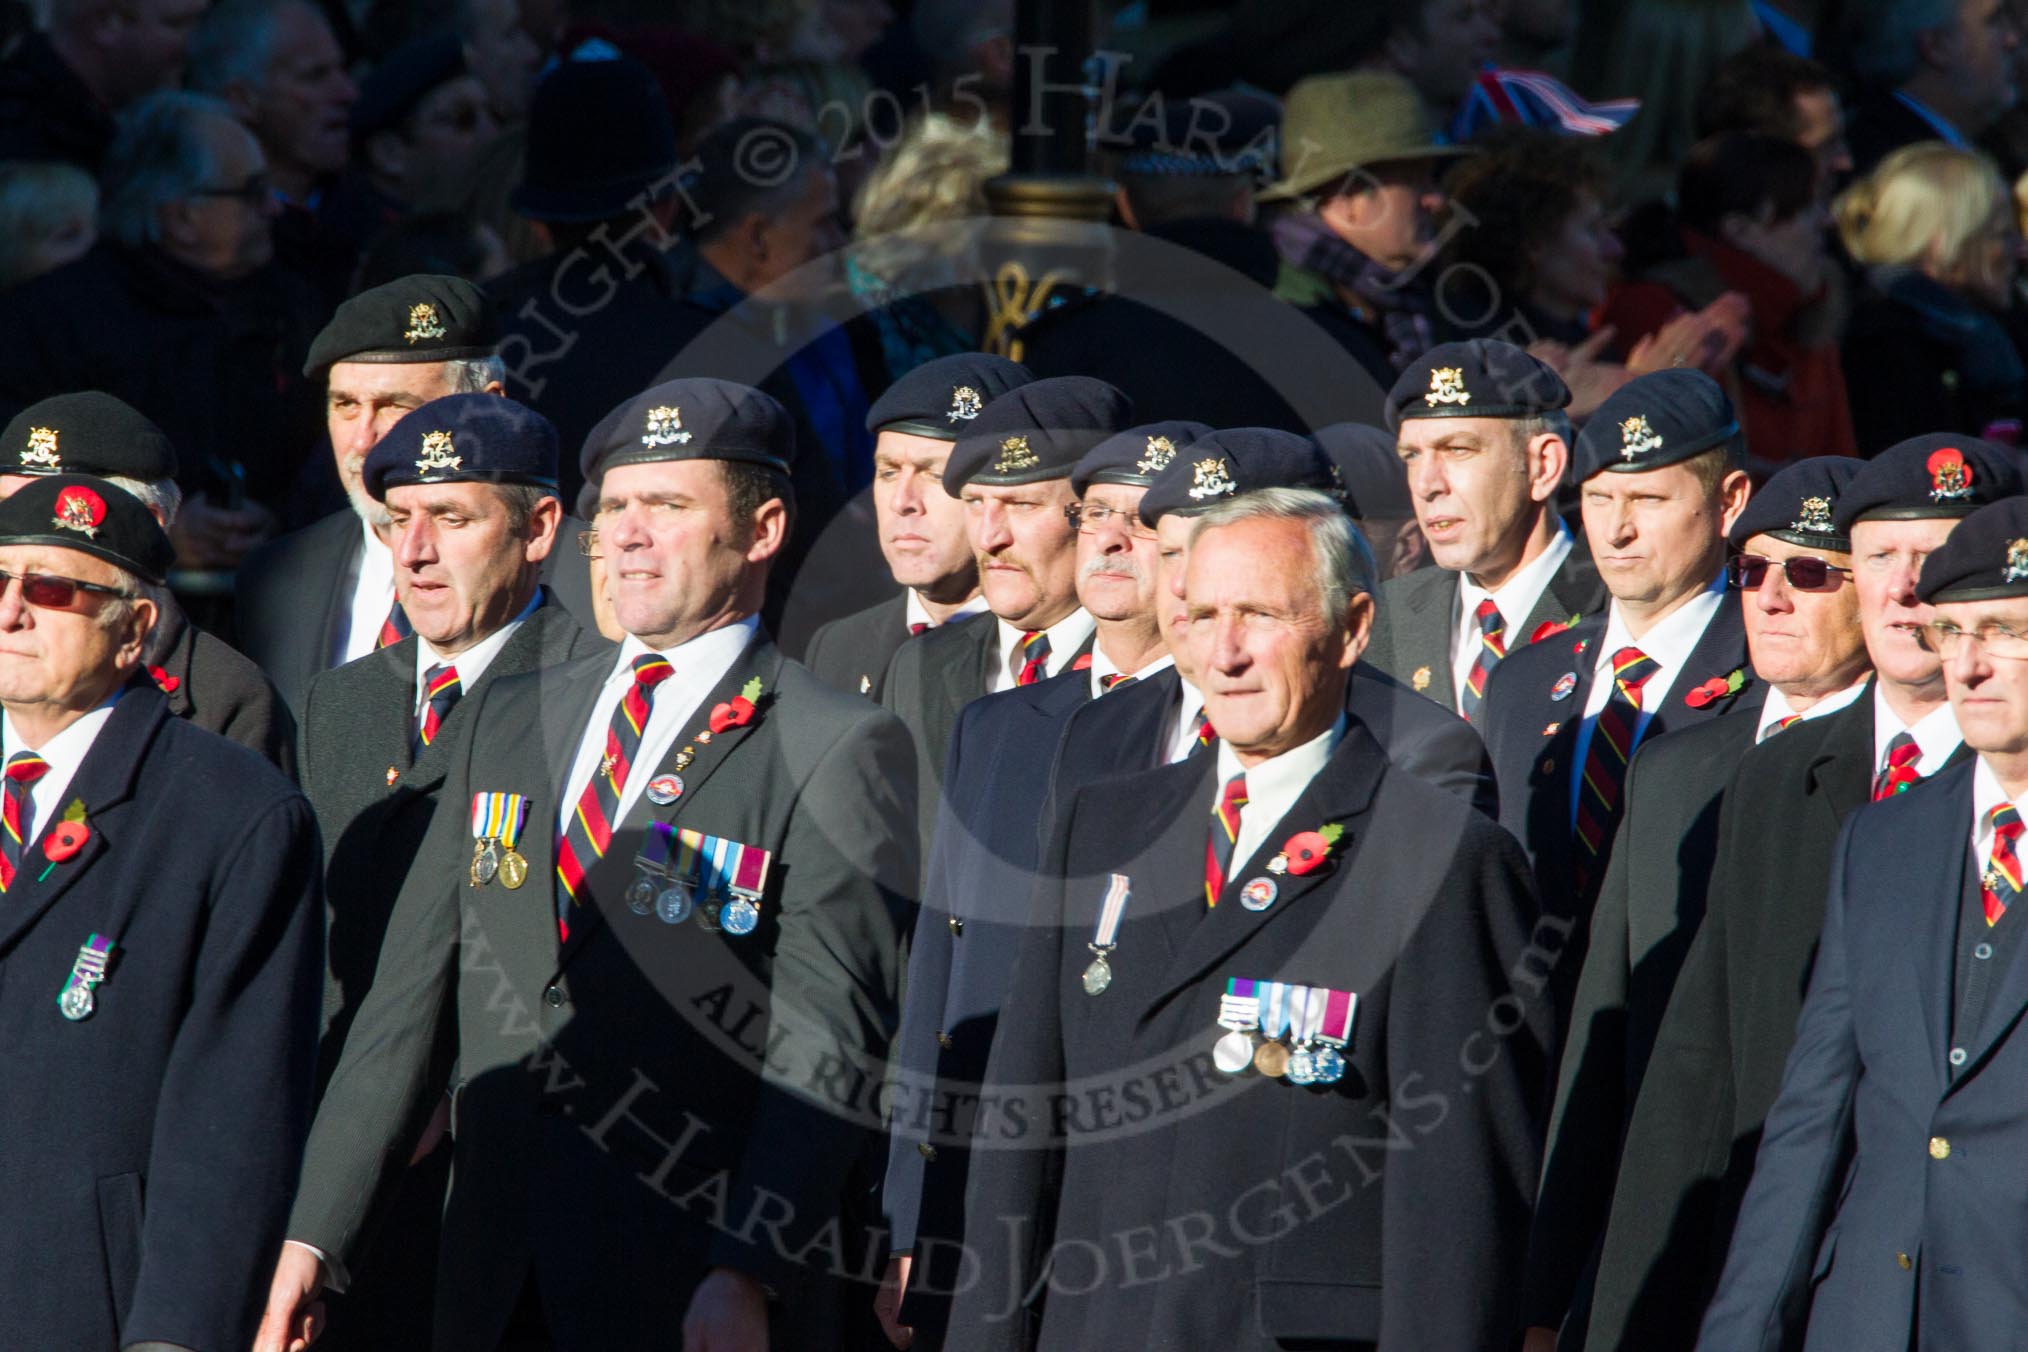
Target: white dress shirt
{"x": 1182, "y": 735}
{"x": 471, "y": 664}
{"x": 674, "y": 713}
{"x": 1103, "y": 666}
{"x": 1272, "y": 788}
{"x": 1066, "y": 636}
{"x": 1987, "y": 794}
{"x": 1936, "y": 735}
{"x": 918, "y": 614}
{"x": 1669, "y": 645}
{"x": 64, "y": 753}
{"x": 1516, "y": 599}
{"x": 1778, "y": 707}
{"x": 372, "y": 598}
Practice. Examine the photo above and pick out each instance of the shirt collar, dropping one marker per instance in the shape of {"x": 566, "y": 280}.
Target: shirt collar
{"x": 66, "y": 751}
{"x": 1936, "y": 734}
{"x": 1517, "y": 596}
{"x": 1103, "y": 666}
{"x": 1669, "y": 643}
{"x": 1945, "y": 132}
{"x": 1283, "y": 778}
{"x": 918, "y": 614}
{"x": 1778, "y": 707}
{"x": 721, "y": 645}
{"x": 471, "y": 664}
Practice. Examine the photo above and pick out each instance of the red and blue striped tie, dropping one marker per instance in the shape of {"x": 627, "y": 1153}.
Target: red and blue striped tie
{"x": 441, "y": 688}
{"x": 394, "y": 628}
{"x": 23, "y": 769}
{"x": 590, "y": 831}
{"x": 1605, "y": 764}
{"x": 2001, "y": 883}
{"x": 1492, "y": 647}
{"x": 1224, "y": 834}
{"x": 1034, "y": 657}
{"x": 1897, "y": 772}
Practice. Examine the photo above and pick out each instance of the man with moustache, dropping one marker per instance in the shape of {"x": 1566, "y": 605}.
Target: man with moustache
{"x": 1794, "y": 573}
{"x": 1329, "y": 1199}
{"x": 1731, "y": 1018}
{"x": 324, "y": 595}
{"x": 202, "y": 678}
{"x": 624, "y": 1068}
{"x": 1884, "y": 1207}
{"x": 1481, "y": 430}
{"x": 1660, "y": 487}
{"x": 922, "y": 528}
{"x": 1011, "y": 470}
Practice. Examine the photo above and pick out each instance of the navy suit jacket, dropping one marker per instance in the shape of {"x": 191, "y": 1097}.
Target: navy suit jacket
{"x": 1917, "y": 1241}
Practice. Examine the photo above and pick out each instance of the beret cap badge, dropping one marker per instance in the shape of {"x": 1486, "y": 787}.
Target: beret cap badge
{"x": 665, "y": 427}
{"x": 2017, "y": 561}
{"x": 41, "y": 448}
{"x": 1210, "y": 479}
{"x": 1447, "y": 386}
{"x": 437, "y": 454}
{"x": 1949, "y": 475}
{"x": 423, "y": 322}
{"x": 1161, "y": 450}
{"x": 80, "y": 509}
{"x": 1015, "y": 455}
{"x": 1637, "y": 438}
{"x": 1816, "y": 517}
{"x": 966, "y": 403}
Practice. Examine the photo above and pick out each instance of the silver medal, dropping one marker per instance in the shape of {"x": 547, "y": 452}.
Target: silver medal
{"x": 641, "y": 896}
{"x": 77, "y": 1003}
{"x": 1234, "y": 1053}
{"x": 1098, "y": 976}
{"x": 738, "y": 916}
{"x": 674, "y": 904}
{"x": 487, "y": 866}
{"x": 1302, "y": 1066}
{"x": 1326, "y": 1066}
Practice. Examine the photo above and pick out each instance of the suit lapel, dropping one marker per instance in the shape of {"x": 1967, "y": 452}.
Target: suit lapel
{"x": 103, "y": 781}
{"x": 345, "y": 563}
{"x": 963, "y": 677}
{"x": 1720, "y": 651}
{"x": 1574, "y": 589}
{"x": 1426, "y": 635}
{"x": 181, "y": 643}
{"x": 1341, "y": 793}
{"x": 1842, "y": 772}
{"x": 1930, "y": 925}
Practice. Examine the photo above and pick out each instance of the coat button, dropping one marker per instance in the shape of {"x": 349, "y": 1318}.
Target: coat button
{"x": 553, "y": 997}
{"x": 1982, "y": 952}
{"x": 926, "y": 1150}
{"x": 957, "y": 925}
{"x": 945, "y": 1041}
{"x": 1958, "y": 1056}
{"x": 1939, "y": 1148}
{"x": 1905, "y": 1261}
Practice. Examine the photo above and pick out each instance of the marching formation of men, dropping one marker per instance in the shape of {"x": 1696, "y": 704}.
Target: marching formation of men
{"x": 1160, "y": 923}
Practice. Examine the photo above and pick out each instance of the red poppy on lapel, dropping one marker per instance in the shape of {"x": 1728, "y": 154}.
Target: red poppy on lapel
{"x": 1306, "y": 851}
{"x": 1717, "y": 688}
{"x": 65, "y": 839}
{"x": 164, "y": 682}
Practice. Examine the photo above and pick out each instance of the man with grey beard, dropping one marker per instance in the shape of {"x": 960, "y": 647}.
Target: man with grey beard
{"x": 324, "y": 595}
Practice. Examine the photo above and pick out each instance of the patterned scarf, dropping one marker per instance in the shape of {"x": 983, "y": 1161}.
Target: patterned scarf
{"x": 1399, "y": 299}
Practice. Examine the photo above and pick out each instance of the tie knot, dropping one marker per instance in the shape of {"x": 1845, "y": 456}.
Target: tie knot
{"x": 440, "y": 678}
{"x": 1114, "y": 678}
{"x": 1235, "y": 792}
{"x": 25, "y": 767}
{"x": 1902, "y": 751}
{"x": 2004, "y": 820}
{"x": 1490, "y": 619}
{"x": 1632, "y": 668}
{"x": 651, "y": 669}
{"x": 916, "y": 627}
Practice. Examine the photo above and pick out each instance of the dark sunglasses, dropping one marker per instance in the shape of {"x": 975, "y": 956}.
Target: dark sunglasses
{"x": 46, "y": 591}
{"x": 1748, "y": 571}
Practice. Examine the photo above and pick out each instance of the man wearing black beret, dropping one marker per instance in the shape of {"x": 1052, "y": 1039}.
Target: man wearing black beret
{"x": 421, "y": 120}
{"x": 1731, "y": 1022}
{"x": 159, "y": 930}
{"x": 1376, "y": 494}
{"x": 469, "y": 482}
{"x": 204, "y": 680}
{"x": 1481, "y": 431}
{"x": 1660, "y": 486}
{"x": 1903, "y": 1098}
{"x": 1011, "y": 469}
{"x": 1794, "y": 572}
{"x": 686, "y": 866}
{"x": 921, "y": 527}
{"x": 324, "y": 595}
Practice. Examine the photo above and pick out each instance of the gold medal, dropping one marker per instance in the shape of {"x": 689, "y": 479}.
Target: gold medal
{"x": 1272, "y": 1060}
{"x": 513, "y": 868}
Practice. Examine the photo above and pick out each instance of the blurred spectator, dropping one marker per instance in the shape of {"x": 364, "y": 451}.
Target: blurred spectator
{"x": 1752, "y": 223}
{"x": 278, "y": 64}
{"x": 1662, "y": 52}
{"x": 1359, "y": 172}
{"x": 1534, "y": 34}
{"x": 1376, "y": 494}
{"x": 1776, "y": 93}
{"x": 1925, "y": 350}
{"x": 48, "y": 217}
{"x": 1939, "y": 70}
{"x": 61, "y": 88}
{"x": 439, "y": 242}
{"x": 1439, "y": 47}
{"x": 176, "y": 313}
{"x": 699, "y": 79}
{"x": 970, "y": 46}
{"x": 500, "y": 52}
{"x": 914, "y": 286}
{"x": 421, "y": 116}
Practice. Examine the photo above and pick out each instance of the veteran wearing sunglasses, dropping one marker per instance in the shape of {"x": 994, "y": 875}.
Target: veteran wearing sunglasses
{"x": 160, "y": 959}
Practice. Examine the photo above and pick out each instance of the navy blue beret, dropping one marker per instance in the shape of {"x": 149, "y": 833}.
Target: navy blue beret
{"x": 75, "y": 511}
{"x": 1483, "y": 378}
{"x": 1135, "y": 456}
{"x": 1376, "y": 480}
{"x": 1799, "y": 505}
{"x": 464, "y": 438}
{"x": 1985, "y": 558}
{"x": 699, "y": 418}
{"x": 943, "y": 396}
{"x": 1938, "y": 474}
{"x": 1037, "y": 431}
{"x": 1655, "y": 420}
{"x": 1234, "y": 461}
{"x": 86, "y": 433}
{"x": 422, "y": 318}
{"x": 1230, "y": 132}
